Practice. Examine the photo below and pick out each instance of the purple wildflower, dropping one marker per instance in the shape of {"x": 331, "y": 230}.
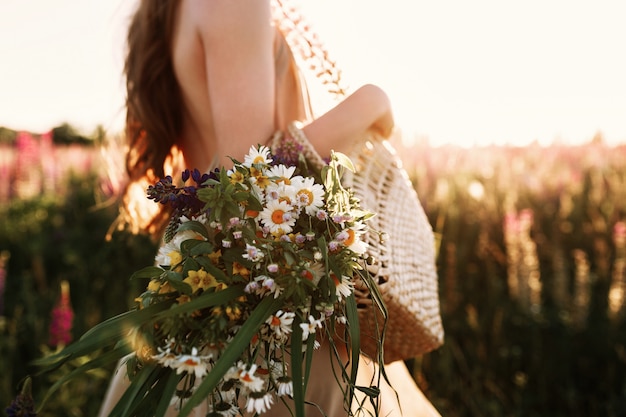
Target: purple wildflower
{"x": 288, "y": 153}
{"x": 23, "y": 405}
{"x": 183, "y": 200}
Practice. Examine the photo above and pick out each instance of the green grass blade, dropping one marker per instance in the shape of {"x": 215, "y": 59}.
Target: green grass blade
{"x": 230, "y": 356}
{"x": 103, "y": 359}
{"x": 296, "y": 366}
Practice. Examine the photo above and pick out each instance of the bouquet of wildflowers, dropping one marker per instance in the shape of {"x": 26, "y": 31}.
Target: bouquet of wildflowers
{"x": 259, "y": 262}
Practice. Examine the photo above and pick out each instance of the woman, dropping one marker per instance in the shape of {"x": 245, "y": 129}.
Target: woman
{"x": 208, "y": 79}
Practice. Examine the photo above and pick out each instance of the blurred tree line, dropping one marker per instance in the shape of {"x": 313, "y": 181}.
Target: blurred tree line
{"x": 64, "y": 134}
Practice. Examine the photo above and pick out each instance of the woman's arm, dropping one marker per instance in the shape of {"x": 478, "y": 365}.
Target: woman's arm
{"x": 339, "y": 129}
{"x": 238, "y": 41}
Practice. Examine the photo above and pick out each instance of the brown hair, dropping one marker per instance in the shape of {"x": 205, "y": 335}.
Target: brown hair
{"x": 153, "y": 110}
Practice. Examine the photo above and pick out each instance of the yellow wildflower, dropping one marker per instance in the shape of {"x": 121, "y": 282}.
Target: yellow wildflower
{"x": 239, "y": 269}
{"x": 166, "y": 288}
{"x": 182, "y": 299}
{"x": 233, "y": 313}
{"x": 154, "y": 285}
{"x": 200, "y": 280}
{"x": 175, "y": 257}
{"x": 236, "y": 177}
{"x": 215, "y": 256}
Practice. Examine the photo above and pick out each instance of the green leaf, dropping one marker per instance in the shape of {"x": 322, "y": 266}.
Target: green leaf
{"x": 252, "y": 203}
{"x": 372, "y": 391}
{"x": 352, "y": 315}
{"x": 104, "y": 334}
{"x": 233, "y": 352}
{"x": 167, "y": 394}
{"x": 152, "y": 395}
{"x": 207, "y": 299}
{"x": 240, "y": 196}
{"x": 201, "y": 248}
{"x": 174, "y": 279}
{"x": 195, "y": 227}
{"x": 100, "y": 361}
{"x": 296, "y": 366}
{"x": 208, "y": 266}
{"x": 343, "y": 160}
{"x": 135, "y": 391}
{"x": 147, "y": 272}
{"x": 310, "y": 348}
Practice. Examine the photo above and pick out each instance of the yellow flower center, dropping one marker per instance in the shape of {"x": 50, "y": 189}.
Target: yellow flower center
{"x": 351, "y": 238}
{"x": 277, "y": 216}
{"x": 305, "y": 197}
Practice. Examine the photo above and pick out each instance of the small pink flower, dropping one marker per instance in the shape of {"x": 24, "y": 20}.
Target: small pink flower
{"x": 62, "y": 317}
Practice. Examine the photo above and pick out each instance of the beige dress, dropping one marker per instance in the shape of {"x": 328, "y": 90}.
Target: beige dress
{"x": 292, "y": 104}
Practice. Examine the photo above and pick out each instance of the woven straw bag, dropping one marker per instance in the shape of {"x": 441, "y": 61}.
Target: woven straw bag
{"x": 404, "y": 254}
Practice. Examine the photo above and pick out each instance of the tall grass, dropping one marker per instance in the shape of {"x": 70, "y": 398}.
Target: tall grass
{"x": 532, "y": 266}
{"x": 532, "y": 279}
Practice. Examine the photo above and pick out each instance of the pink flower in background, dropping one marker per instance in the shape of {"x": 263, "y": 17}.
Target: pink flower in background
{"x": 4, "y": 257}
{"x": 62, "y": 317}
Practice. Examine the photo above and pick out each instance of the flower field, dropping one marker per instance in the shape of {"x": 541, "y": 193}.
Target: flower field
{"x": 532, "y": 279}
{"x": 531, "y": 258}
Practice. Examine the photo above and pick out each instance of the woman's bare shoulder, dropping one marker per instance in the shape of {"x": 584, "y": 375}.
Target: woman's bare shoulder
{"x": 216, "y": 17}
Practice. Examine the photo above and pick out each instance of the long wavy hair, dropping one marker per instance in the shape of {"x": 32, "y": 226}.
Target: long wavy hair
{"x": 154, "y": 103}
{"x": 153, "y": 111}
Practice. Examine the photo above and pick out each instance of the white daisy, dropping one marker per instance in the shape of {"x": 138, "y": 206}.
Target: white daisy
{"x": 281, "y": 174}
{"x": 280, "y": 323}
{"x": 245, "y": 376}
{"x": 224, "y": 409}
{"x": 260, "y": 155}
{"x": 278, "y": 217}
{"x": 252, "y": 253}
{"x": 314, "y": 272}
{"x": 259, "y": 402}
{"x": 353, "y": 239}
{"x": 280, "y": 192}
{"x": 166, "y": 359}
{"x": 284, "y": 386}
{"x": 278, "y": 369}
{"x": 249, "y": 379}
{"x": 268, "y": 286}
{"x": 344, "y": 287}
{"x": 310, "y": 327}
{"x": 309, "y": 195}
{"x": 169, "y": 254}
{"x": 192, "y": 363}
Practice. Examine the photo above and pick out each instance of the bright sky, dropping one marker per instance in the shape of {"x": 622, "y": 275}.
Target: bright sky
{"x": 468, "y": 72}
